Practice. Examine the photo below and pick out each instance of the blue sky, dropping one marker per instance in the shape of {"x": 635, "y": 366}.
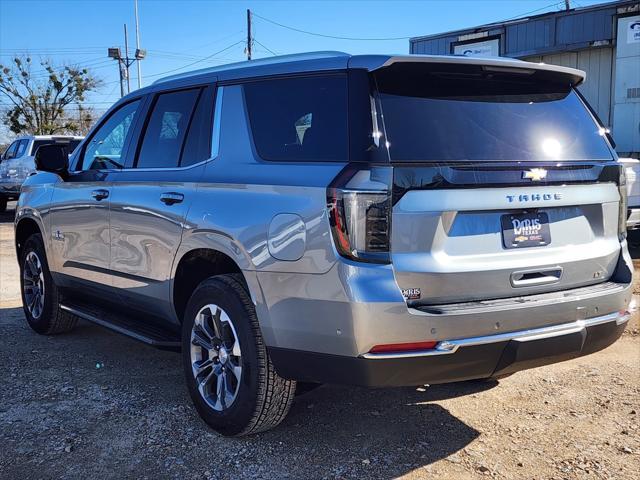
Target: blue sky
{"x": 179, "y": 33}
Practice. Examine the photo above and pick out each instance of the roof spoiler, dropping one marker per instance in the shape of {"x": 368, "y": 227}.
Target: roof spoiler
{"x": 573, "y": 75}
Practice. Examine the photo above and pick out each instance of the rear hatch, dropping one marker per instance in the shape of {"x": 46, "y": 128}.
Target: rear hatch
{"x": 503, "y": 182}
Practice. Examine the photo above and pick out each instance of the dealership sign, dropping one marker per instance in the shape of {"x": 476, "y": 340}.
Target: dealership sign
{"x": 633, "y": 33}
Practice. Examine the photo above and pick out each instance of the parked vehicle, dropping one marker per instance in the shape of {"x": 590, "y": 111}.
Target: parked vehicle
{"x": 16, "y": 163}
{"x": 372, "y": 220}
{"x": 632, "y": 169}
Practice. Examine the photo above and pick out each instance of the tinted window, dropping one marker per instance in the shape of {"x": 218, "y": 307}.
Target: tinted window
{"x": 70, "y": 146}
{"x": 22, "y": 148}
{"x": 11, "y": 151}
{"x": 436, "y": 115}
{"x": 106, "y": 147}
{"x": 166, "y": 129}
{"x": 197, "y": 147}
{"x": 299, "y": 118}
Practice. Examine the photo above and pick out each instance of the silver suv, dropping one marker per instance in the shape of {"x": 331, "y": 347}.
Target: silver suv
{"x": 324, "y": 218}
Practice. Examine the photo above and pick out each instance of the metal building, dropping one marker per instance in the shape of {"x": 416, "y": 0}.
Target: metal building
{"x": 603, "y": 40}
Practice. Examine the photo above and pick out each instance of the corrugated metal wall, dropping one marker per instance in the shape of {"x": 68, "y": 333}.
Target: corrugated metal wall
{"x": 598, "y": 64}
{"x": 540, "y": 35}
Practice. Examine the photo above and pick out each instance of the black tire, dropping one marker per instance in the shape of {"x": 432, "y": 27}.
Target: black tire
{"x": 3, "y": 205}
{"x": 52, "y": 319}
{"x": 263, "y": 398}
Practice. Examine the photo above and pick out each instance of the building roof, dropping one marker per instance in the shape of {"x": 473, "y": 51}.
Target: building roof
{"x": 548, "y": 33}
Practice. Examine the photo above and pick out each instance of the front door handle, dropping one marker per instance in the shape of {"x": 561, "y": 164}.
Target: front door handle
{"x": 100, "y": 194}
{"x": 169, "y": 198}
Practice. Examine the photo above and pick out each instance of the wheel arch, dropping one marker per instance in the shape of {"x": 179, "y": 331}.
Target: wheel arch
{"x": 203, "y": 256}
{"x": 25, "y": 227}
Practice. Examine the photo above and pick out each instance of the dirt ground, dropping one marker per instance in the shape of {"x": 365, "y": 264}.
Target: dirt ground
{"x": 93, "y": 404}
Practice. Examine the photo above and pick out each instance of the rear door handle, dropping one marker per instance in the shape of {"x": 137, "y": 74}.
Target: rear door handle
{"x": 100, "y": 194}
{"x": 169, "y": 198}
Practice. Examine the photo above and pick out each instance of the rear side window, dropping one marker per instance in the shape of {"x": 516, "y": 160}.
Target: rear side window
{"x": 166, "y": 129}
{"x": 197, "y": 147}
{"x": 299, "y": 119}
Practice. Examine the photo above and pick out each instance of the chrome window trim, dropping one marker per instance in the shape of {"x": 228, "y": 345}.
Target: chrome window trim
{"x": 217, "y": 114}
{"x": 447, "y": 347}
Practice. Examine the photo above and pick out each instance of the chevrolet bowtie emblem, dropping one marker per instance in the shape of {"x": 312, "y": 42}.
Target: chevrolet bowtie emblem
{"x": 535, "y": 174}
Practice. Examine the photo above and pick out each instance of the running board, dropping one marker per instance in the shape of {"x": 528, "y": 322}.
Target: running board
{"x": 153, "y": 335}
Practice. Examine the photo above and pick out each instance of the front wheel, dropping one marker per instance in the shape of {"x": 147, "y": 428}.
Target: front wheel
{"x": 229, "y": 374}
{"x": 3, "y": 205}
{"x": 40, "y": 295}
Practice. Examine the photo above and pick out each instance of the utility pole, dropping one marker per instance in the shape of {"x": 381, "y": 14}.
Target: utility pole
{"x": 135, "y": 3}
{"x": 249, "y": 38}
{"x": 567, "y": 4}
{"x": 114, "y": 52}
{"x": 126, "y": 58}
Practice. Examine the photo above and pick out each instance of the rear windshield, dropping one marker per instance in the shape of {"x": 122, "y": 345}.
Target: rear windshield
{"x": 438, "y": 113}
{"x": 70, "y": 145}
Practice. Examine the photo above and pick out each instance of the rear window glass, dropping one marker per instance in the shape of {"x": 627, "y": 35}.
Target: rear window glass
{"x": 300, "y": 119}
{"x": 442, "y": 115}
{"x": 70, "y": 145}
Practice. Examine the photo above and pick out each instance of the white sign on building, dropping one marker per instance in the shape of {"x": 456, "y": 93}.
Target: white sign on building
{"x": 486, "y": 48}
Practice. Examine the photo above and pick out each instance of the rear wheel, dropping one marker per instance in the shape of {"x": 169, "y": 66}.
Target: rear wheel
{"x": 228, "y": 372}
{"x": 40, "y": 296}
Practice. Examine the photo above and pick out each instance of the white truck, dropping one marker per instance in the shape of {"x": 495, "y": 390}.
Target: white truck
{"x": 16, "y": 163}
{"x": 632, "y": 170}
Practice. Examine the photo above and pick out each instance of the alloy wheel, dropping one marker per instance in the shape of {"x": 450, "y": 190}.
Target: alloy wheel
{"x": 33, "y": 284}
{"x": 216, "y": 358}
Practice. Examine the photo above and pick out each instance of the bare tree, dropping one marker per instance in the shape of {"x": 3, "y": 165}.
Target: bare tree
{"x": 45, "y": 103}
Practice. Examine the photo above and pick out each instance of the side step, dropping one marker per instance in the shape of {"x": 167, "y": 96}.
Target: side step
{"x": 151, "y": 334}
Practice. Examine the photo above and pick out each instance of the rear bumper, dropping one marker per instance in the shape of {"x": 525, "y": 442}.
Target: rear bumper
{"x": 9, "y": 189}
{"x": 456, "y": 360}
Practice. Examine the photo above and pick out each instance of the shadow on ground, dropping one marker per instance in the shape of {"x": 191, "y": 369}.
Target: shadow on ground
{"x": 8, "y": 215}
{"x": 633, "y": 238}
{"x": 121, "y": 408}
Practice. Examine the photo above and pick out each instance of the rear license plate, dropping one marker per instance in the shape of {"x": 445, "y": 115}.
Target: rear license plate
{"x": 525, "y": 230}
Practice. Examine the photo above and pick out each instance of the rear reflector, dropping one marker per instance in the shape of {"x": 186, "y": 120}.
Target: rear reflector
{"x": 403, "y": 347}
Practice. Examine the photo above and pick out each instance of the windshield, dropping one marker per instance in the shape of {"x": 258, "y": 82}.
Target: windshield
{"x": 433, "y": 114}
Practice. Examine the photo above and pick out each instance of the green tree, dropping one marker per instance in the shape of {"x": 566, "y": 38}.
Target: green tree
{"x": 45, "y": 102}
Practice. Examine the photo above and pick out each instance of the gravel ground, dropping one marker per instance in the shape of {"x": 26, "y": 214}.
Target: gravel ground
{"x": 93, "y": 404}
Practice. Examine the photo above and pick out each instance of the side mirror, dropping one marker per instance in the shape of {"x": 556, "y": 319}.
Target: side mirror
{"x": 52, "y": 158}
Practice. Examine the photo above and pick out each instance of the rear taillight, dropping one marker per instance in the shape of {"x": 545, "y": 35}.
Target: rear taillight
{"x": 359, "y": 203}
{"x": 622, "y": 207}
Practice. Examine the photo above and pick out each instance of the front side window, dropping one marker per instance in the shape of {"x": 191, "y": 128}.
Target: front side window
{"x": 22, "y": 148}
{"x": 166, "y": 129}
{"x": 106, "y": 147}
{"x": 300, "y": 119}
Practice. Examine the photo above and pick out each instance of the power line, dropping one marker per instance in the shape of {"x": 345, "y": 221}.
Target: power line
{"x": 532, "y": 11}
{"x": 326, "y": 36}
{"x": 209, "y": 57}
{"x": 264, "y": 46}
